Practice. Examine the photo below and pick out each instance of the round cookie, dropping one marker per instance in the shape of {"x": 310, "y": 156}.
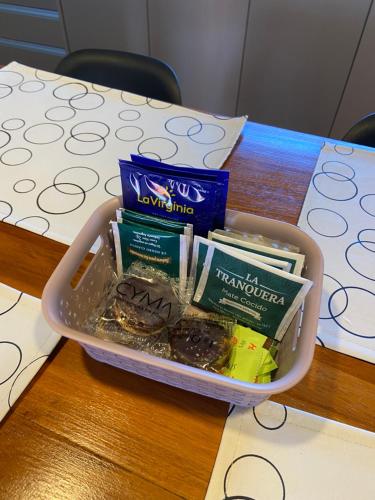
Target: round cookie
{"x": 144, "y": 307}
{"x": 199, "y": 342}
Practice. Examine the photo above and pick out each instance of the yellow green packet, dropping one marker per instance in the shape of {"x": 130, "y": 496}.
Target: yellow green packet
{"x": 249, "y": 360}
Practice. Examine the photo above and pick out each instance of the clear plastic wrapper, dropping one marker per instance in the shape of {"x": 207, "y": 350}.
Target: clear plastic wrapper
{"x": 138, "y": 309}
{"x": 259, "y": 239}
{"x": 295, "y": 260}
{"x": 202, "y": 340}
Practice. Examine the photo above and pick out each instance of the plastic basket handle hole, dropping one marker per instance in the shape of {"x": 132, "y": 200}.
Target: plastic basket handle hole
{"x": 82, "y": 268}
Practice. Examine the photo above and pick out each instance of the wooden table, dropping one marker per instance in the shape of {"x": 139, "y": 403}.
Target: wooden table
{"x": 85, "y": 430}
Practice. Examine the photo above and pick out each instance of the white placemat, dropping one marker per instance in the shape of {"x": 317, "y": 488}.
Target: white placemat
{"x": 25, "y": 343}
{"x": 60, "y": 141}
{"x": 339, "y": 213}
{"x": 273, "y": 452}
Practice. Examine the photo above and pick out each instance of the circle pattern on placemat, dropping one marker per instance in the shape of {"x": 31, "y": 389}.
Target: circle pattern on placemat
{"x": 338, "y": 171}
{"x": 24, "y": 186}
{"x": 271, "y": 426}
{"x": 213, "y": 158}
{"x": 45, "y": 76}
{"x": 206, "y": 133}
{"x": 85, "y": 144}
{"x": 366, "y": 238}
{"x": 183, "y": 165}
{"x": 222, "y": 117}
{"x": 354, "y": 323}
{"x": 5, "y": 90}
{"x": 86, "y": 101}
{"x": 330, "y": 285}
{"x": 4, "y": 138}
{"x": 35, "y": 366}
{"x": 159, "y": 148}
{"x": 361, "y": 259}
{"x": 343, "y": 150}
{"x": 60, "y": 113}
{"x": 326, "y": 222}
{"x": 11, "y": 356}
{"x": 254, "y": 467}
{"x": 9, "y": 300}
{"x": 113, "y": 186}
{"x": 367, "y": 203}
{"x": 68, "y": 91}
{"x": 180, "y": 125}
{"x": 32, "y": 86}
{"x": 100, "y": 88}
{"x": 156, "y": 104}
{"x": 88, "y": 131}
{"x": 320, "y": 341}
{"x": 52, "y": 201}
{"x": 5, "y": 208}
{"x": 129, "y": 133}
{"x": 86, "y": 177}
{"x": 338, "y": 190}
{"x": 231, "y": 409}
{"x": 11, "y": 78}
{"x": 13, "y": 124}
{"x": 43, "y": 133}
{"x": 133, "y": 99}
{"x": 129, "y": 115}
{"x": 39, "y": 225}
{"x": 16, "y": 156}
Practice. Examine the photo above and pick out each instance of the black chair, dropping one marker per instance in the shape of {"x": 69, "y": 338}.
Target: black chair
{"x": 363, "y": 132}
{"x": 135, "y": 73}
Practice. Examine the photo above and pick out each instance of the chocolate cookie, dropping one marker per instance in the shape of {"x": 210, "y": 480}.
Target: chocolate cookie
{"x": 145, "y": 307}
{"x": 199, "y": 342}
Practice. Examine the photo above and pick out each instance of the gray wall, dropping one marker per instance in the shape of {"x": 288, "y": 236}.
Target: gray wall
{"x": 108, "y": 24}
{"x": 32, "y": 32}
{"x": 359, "y": 96}
{"x": 297, "y": 58}
{"x": 203, "y": 41}
{"x": 299, "y": 64}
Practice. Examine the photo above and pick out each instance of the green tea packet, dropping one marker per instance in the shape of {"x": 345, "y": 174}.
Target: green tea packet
{"x": 250, "y": 360}
{"x": 200, "y": 251}
{"x": 162, "y": 249}
{"x": 151, "y": 220}
{"x": 256, "y": 294}
{"x": 295, "y": 260}
{"x": 124, "y": 215}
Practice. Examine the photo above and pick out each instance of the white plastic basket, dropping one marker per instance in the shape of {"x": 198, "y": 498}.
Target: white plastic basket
{"x": 66, "y": 309}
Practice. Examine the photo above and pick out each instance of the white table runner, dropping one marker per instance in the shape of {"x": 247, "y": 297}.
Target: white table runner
{"x": 339, "y": 213}
{"x": 60, "y": 141}
{"x": 25, "y": 343}
{"x": 273, "y": 452}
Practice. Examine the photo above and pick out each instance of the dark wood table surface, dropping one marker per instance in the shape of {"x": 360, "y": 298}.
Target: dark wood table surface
{"x": 85, "y": 430}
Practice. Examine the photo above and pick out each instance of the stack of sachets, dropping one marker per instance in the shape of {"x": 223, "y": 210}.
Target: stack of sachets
{"x": 186, "y": 288}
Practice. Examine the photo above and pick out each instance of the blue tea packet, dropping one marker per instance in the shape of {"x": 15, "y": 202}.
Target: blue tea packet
{"x": 190, "y": 195}
{"x": 220, "y": 176}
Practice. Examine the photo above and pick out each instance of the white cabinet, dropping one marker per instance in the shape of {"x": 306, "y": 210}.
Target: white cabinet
{"x": 297, "y": 58}
{"x": 32, "y": 32}
{"x": 359, "y": 96}
{"x": 203, "y": 41}
{"x": 109, "y": 24}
